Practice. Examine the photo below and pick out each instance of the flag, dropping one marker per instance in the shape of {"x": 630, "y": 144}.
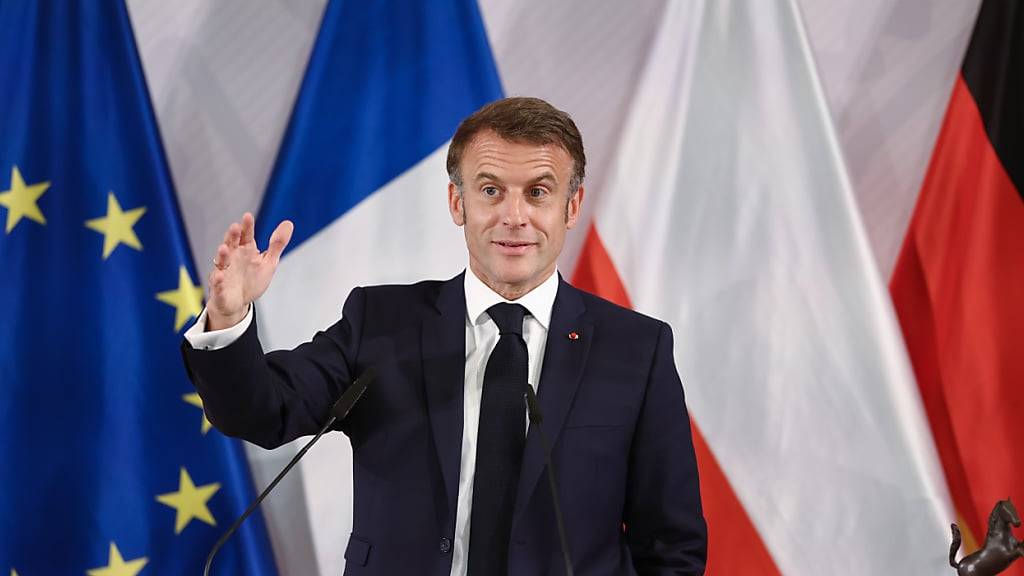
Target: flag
{"x": 109, "y": 464}
{"x": 728, "y": 214}
{"x": 958, "y": 282}
{"x": 361, "y": 173}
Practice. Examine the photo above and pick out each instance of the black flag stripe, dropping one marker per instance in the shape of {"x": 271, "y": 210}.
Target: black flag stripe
{"x": 994, "y": 73}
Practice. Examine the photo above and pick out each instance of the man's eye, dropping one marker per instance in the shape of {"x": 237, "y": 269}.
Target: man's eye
{"x": 490, "y": 191}
{"x": 538, "y": 192}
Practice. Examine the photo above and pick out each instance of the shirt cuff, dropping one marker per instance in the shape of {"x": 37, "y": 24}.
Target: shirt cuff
{"x": 200, "y": 339}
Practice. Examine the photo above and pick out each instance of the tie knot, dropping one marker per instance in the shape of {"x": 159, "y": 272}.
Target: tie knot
{"x": 508, "y": 317}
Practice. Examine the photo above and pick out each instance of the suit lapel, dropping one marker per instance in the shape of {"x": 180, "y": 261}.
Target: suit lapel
{"x": 564, "y": 359}
{"x": 444, "y": 361}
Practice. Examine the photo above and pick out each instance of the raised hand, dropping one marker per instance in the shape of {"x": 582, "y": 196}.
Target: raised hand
{"x": 241, "y": 272}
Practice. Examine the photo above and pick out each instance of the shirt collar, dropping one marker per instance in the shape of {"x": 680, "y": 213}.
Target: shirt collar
{"x": 539, "y": 301}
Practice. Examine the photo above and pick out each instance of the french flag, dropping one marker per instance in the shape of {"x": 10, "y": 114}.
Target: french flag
{"x": 361, "y": 173}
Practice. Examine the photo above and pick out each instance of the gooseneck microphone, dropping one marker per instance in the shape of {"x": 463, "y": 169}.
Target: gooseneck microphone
{"x": 533, "y": 407}
{"x": 339, "y": 412}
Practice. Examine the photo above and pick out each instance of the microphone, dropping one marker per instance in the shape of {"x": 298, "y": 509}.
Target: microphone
{"x": 339, "y": 411}
{"x": 533, "y": 408}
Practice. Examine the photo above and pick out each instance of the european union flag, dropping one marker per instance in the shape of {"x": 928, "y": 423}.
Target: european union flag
{"x": 109, "y": 467}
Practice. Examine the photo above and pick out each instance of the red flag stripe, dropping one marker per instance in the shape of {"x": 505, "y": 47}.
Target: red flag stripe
{"x": 734, "y": 545}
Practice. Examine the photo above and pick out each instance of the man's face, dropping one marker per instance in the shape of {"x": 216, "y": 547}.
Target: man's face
{"x": 515, "y": 206}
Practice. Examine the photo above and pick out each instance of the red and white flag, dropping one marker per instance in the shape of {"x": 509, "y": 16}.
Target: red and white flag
{"x": 729, "y": 214}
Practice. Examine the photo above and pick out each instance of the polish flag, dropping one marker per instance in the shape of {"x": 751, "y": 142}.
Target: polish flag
{"x": 728, "y": 213}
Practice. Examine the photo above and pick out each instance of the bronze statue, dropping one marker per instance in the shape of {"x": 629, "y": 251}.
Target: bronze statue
{"x": 1000, "y": 549}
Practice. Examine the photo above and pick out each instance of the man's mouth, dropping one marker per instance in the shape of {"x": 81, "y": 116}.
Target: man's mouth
{"x": 513, "y": 247}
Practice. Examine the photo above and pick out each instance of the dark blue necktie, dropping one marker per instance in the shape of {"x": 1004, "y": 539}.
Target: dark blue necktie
{"x": 500, "y": 441}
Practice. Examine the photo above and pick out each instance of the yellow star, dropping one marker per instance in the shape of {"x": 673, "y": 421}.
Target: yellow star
{"x": 116, "y": 226}
{"x": 187, "y": 299}
{"x": 189, "y": 501}
{"x": 196, "y": 401}
{"x": 20, "y": 200}
{"x": 116, "y": 566}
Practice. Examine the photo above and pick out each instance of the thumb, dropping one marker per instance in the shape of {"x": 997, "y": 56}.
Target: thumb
{"x": 279, "y": 240}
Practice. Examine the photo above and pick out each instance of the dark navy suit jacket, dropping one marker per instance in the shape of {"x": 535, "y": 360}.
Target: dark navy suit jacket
{"x": 613, "y": 411}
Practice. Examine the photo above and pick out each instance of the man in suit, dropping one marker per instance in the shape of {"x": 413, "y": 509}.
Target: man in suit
{"x": 447, "y": 471}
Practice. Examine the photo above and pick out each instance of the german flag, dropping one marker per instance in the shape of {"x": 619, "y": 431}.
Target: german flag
{"x": 958, "y": 285}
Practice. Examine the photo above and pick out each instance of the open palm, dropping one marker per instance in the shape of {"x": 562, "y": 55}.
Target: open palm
{"x": 242, "y": 272}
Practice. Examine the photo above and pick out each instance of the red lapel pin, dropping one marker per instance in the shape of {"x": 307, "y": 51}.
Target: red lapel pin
{"x": 574, "y": 336}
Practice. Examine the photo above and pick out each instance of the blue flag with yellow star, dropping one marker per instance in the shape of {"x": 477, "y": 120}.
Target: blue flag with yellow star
{"x": 109, "y": 467}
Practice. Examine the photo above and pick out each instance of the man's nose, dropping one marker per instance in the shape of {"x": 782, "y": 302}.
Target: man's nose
{"x": 514, "y": 210}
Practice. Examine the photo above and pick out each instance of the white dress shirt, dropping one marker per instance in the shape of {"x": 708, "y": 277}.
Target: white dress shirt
{"x": 481, "y": 338}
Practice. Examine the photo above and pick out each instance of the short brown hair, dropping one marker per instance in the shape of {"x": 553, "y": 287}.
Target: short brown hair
{"x": 521, "y": 119}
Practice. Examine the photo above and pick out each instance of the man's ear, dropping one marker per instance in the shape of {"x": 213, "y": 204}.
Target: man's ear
{"x": 572, "y": 209}
{"x": 455, "y": 206}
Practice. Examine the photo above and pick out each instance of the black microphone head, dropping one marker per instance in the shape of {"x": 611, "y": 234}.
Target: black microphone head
{"x": 368, "y": 376}
{"x": 353, "y": 393}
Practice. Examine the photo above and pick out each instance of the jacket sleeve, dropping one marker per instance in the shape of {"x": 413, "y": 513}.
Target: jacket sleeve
{"x": 271, "y": 399}
{"x": 664, "y": 521}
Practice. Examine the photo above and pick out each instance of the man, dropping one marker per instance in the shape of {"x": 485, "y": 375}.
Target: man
{"x": 447, "y": 476}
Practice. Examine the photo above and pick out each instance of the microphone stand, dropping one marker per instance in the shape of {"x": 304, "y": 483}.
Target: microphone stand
{"x": 339, "y": 412}
{"x": 533, "y": 408}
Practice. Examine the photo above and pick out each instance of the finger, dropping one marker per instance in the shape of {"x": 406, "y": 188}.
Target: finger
{"x": 232, "y": 236}
{"x": 248, "y": 228}
{"x": 221, "y": 260}
{"x": 216, "y": 280}
{"x": 236, "y": 226}
{"x": 279, "y": 240}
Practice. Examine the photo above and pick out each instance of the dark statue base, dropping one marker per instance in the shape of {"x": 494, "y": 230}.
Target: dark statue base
{"x": 1000, "y": 549}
